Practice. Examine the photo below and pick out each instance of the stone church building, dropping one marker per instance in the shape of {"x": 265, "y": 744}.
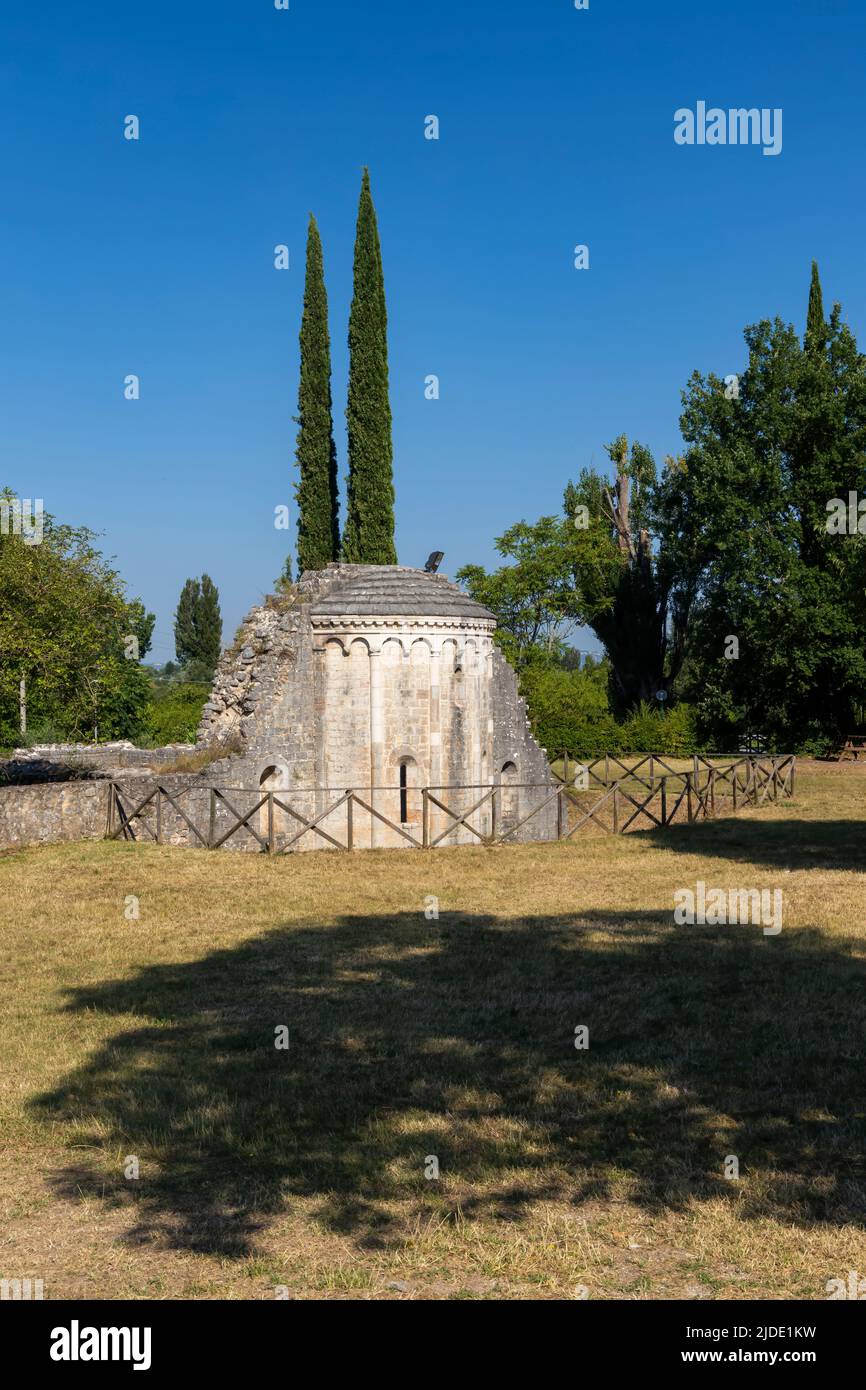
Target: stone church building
{"x": 383, "y": 679}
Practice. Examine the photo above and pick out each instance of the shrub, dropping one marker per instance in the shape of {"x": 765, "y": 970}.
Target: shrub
{"x": 671, "y": 732}
{"x": 569, "y": 714}
{"x": 568, "y": 711}
{"x": 681, "y": 731}
{"x": 173, "y": 712}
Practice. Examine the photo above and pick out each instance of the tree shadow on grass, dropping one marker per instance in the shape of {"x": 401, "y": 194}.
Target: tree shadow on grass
{"x": 838, "y": 845}
{"x": 455, "y": 1038}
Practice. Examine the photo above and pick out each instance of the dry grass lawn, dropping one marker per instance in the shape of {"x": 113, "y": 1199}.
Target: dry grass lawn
{"x": 560, "y": 1170}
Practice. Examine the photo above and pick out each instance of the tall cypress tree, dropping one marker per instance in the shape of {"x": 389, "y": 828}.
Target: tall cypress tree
{"x": 368, "y": 537}
{"x": 816, "y": 326}
{"x": 318, "y": 503}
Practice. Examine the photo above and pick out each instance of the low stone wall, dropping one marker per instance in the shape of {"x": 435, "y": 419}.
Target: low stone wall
{"x": 79, "y": 810}
{"x": 50, "y": 812}
{"x": 170, "y": 824}
{"x": 62, "y": 762}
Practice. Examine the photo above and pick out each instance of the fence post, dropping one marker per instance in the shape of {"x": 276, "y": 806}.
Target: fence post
{"x": 689, "y": 785}
{"x": 713, "y": 790}
{"x": 111, "y": 810}
{"x": 494, "y": 815}
{"x": 270, "y": 822}
{"x": 615, "y": 810}
{"x": 565, "y": 768}
{"x": 211, "y": 830}
{"x": 559, "y": 812}
{"x": 664, "y": 782}
{"x": 159, "y": 815}
{"x": 350, "y": 818}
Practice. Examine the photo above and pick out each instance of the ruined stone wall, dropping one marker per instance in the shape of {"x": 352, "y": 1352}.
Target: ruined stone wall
{"x": 263, "y": 707}
{"x": 61, "y": 762}
{"x": 513, "y": 742}
{"x": 79, "y": 810}
{"x": 52, "y": 812}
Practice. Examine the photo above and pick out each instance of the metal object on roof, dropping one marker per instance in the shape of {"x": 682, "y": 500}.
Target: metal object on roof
{"x": 395, "y": 589}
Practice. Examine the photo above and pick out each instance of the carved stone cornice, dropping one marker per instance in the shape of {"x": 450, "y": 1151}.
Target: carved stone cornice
{"x": 353, "y": 622}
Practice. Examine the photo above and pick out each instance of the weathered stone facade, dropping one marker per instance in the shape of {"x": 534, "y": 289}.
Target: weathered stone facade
{"x": 383, "y": 679}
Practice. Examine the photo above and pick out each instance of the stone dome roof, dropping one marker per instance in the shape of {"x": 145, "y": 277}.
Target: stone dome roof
{"x": 376, "y": 590}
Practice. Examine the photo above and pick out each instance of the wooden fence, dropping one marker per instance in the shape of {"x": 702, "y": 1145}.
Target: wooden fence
{"x": 636, "y": 799}
{"x": 609, "y": 768}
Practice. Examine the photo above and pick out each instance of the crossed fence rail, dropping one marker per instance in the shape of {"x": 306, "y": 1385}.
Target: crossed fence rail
{"x": 212, "y": 816}
{"x": 598, "y": 770}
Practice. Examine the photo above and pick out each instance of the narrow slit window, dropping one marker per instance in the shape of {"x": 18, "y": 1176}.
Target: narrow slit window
{"x": 404, "y": 799}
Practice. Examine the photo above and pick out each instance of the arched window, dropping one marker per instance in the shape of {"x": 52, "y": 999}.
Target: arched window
{"x": 408, "y": 779}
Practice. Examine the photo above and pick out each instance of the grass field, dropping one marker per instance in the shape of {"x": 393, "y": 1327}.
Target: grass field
{"x": 562, "y": 1172}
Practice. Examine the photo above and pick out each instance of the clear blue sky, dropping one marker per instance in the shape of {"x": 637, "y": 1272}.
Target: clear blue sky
{"x": 156, "y": 257}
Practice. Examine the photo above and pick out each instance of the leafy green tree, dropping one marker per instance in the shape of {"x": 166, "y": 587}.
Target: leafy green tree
{"x": 198, "y": 628}
{"x": 68, "y": 631}
{"x": 318, "y": 502}
{"x": 624, "y": 587}
{"x": 739, "y": 577}
{"x": 569, "y": 710}
{"x": 368, "y": 536}
{"x": 173, "y": 712}
{"x": 185, "y": 637}
{"x": 209, "y": 624}
{"x": 596, "y": 567}
{"x": 777, "y": 642}
{"x": 531, "y": 597}
{"x": 141, "y": 625}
